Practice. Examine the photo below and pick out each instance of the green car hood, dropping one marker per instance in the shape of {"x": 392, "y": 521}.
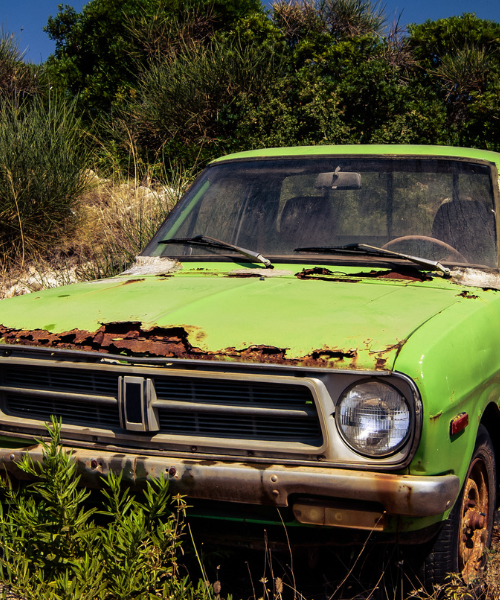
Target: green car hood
{"x": 347, "y": 322}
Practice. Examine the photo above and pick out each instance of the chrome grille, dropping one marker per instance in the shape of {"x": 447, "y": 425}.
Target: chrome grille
{"x": 85, "y": 414}
{"x": 271, "y": 428}
{"x": 232, "y": 392}
{"x": 244, "y": 394}
{"x": 192, "y": 406}
{"x": 61, "y": 380}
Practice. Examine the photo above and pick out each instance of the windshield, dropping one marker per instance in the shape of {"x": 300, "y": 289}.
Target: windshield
{"x": 435, "y": 208}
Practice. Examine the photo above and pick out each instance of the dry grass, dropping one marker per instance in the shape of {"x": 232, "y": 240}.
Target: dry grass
{"x": 112, "y": 224}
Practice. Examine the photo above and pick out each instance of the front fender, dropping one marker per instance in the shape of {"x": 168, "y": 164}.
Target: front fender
{"x": 454, "y": 360}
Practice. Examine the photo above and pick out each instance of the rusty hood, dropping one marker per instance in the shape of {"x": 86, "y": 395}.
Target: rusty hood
{"x": 348, "y": 321}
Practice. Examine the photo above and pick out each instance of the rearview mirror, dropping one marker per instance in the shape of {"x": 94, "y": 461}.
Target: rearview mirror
{"x": 338, "y": 181}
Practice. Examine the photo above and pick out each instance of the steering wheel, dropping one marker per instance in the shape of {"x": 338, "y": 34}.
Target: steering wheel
{"x": 453, "y": 252}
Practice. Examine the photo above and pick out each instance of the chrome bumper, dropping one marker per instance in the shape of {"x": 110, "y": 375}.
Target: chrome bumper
{"x": 257, "y": 483}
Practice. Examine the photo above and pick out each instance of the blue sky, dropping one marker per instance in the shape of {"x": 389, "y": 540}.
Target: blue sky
{"x": 25, "y": 18}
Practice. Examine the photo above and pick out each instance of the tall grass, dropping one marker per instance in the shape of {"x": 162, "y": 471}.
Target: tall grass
{"x": 43, "y": 171}
{"x": 16, "y": 76}
{"x": 111, "y": 225}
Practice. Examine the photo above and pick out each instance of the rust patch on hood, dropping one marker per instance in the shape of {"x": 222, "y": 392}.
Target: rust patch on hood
{"x": 467, "y": 294}
{"x": 324, "y": 274}
{"x": 132, "y": 281}
{"x": 381, "y": 362}
{"x": 402, "y": 273}
{"x": 131, "y": 339}
{"x": 333, "y": 354}
{"x": 405, "y": 273}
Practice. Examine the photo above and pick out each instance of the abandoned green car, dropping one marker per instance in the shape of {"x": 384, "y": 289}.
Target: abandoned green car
{"x": 311, "y": 338}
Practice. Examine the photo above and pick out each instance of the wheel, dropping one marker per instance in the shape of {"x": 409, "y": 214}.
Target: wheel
{"x": 454, "y": 253}
{"x": 460, "y": 545}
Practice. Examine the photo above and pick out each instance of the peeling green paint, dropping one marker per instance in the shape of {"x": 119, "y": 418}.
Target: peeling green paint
{"x": 370, "y": 317}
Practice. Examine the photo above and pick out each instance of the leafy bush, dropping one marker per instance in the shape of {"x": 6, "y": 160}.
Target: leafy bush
{"x": 94, "y": 47}
{"x": 43, "y": 164}
{"x": 181, "y": 98}
{"x": 55, "y": 547}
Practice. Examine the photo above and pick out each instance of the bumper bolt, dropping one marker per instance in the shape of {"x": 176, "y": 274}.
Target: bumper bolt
{"x": 93, "y": 463}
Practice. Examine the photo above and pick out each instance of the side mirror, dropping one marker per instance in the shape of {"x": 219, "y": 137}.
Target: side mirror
{"x": 338, "y": 181}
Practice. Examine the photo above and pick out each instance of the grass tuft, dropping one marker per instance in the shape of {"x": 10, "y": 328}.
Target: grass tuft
{"x": 43, "y": 171}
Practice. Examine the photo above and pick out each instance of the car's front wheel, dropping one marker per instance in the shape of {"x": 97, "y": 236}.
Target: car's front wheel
{"x": 464, "y": 537}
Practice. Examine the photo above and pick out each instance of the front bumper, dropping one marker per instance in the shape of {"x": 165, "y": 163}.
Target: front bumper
{"x": 259, "y": 483}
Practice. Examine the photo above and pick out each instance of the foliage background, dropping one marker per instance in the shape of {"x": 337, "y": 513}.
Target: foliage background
{"x": 143, "y": 88}
{"x": 189, "y": 81}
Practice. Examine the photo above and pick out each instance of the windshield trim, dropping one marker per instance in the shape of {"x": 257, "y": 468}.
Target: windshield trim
{"x": 351, "y": 156}
{"x": 322, "y": 259}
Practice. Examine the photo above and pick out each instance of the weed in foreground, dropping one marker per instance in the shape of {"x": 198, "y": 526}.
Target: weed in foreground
{"x": 54, "y": 546}
{"x": 60, "y": 542}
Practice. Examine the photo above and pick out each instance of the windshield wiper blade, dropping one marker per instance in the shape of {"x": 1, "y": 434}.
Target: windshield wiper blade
{"x": 205, "y": 240}
{"x": 374, "y": 251}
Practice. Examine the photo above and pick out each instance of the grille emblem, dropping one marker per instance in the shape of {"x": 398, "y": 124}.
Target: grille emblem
{"x": 136, "y": 396}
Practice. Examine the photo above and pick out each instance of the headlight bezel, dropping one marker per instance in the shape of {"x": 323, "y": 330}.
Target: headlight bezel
{"x": 397, "y": 448}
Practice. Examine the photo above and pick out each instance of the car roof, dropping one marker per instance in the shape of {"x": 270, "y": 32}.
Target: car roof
{"x": 392, "y": 150}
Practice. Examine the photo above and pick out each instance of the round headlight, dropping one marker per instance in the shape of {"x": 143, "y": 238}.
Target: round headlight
{"x": 373, "y": 418}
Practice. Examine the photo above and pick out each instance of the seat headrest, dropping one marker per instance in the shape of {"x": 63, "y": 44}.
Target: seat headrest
{"x": 307, "y": 220}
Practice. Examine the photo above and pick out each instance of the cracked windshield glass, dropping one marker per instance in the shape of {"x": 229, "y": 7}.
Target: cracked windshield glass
{"x": 438, "y": 209}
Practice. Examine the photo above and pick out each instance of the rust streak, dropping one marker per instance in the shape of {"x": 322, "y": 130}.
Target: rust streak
{"x": 131, "y": 339}
{"x": 323, "y": 274}
{"x": 436, "y": 416}
{"x": 132, "y": 281}
{"x": 402, "y": 273}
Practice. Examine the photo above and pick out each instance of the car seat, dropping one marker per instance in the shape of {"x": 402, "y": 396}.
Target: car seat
{"x": 307, "y": 221}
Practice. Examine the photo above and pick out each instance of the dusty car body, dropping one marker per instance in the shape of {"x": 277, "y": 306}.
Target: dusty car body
{"x": 311, "y": 337}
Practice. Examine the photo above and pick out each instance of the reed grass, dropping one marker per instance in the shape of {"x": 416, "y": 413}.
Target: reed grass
{"x": 43, "y": 172}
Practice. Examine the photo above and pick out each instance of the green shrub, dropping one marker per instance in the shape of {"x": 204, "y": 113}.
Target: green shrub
{"x": 43, "y": 163}
{"x": 55, "y": 547}
{"x": 180, "y": 99}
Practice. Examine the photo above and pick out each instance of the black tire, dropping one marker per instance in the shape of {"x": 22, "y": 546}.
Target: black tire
{"x": 460, "y": 544}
